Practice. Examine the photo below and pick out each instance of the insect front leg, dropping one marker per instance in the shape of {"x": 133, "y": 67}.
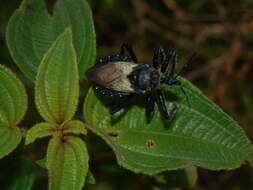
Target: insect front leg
{"x": 150, "y": 107}
{"x": 118, "y": 106}
{"x": 160, "y": 98}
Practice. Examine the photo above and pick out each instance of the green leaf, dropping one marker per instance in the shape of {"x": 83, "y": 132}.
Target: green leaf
{"x": 45, "y": 129}
{"x": 13, "y": 98}
{"x": 90, "y": 179}
{"x": 39, "y": 130}
{"x": 183, "y": 178}
{"x": 24, "y": 178}
{"x": 56, "y": 87}
{"x": 76, "y": 127}
{"x": 32, "y": 30}
{"x": 10, "y": 138}
{"x": 200, "y": 134}
{"x": 42, "y": 162}
{"x": 67, "y": 163}
{"x": 13, "y": 106}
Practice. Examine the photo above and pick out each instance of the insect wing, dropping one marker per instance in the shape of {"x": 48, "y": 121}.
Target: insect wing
{"x": 112, "y": 75}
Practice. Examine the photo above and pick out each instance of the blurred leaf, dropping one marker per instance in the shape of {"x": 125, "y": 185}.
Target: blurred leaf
{"x": 104, "y": 186}
{"x": 13, "y": 98}
{"x": 182, "y": 178}
{"x": 39, "y": 130}
{"x": 42, "y": 162}
{"x": 32, "y": 30}
{"x": 200, "y": 134}
{"x": 90, "y": 178}
{"x": 191, "y": 176}
{"x": 24, "y": 177}
{"x": 67, "y": 163}
{"x": 75, "y": 127}
{"x": 57, "y": 86}
{"x": 10, "y": 138}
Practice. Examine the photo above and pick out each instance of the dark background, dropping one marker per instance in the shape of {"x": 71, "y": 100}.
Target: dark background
{"x": 220, "y": 32}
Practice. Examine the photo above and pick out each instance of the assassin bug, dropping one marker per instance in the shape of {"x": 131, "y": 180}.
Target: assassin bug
{"x": 120, "y": 75}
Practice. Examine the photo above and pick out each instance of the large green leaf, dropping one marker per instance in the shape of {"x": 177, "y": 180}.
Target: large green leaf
{"x": 32, "y": 30}
{"x": 13, "y": 98}
{"x": 9, "y": 139}
{"x": 67, "y": 163}
{"x": 56, "y": 85}
{"x": 200, "y": 134}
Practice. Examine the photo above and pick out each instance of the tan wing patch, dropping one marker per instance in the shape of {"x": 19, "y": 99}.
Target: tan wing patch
{"x": 112, "y": 75}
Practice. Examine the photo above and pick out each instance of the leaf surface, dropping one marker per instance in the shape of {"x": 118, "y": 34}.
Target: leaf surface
{"x": 67, "y": 163}
{"x": 90, "y": 179}
{"x": 32, "y": 30}
{"x": 9, "y": 140}
{"x": 13, "y": 98}
{"x": 200, "y": 134}
{"x": 75, "y": 127}
{"x": 39, "y": 130}
{"x": 56, "y": 87}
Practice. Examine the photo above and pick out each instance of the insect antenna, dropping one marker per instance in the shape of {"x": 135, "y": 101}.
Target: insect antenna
{"x": 190, "y": 59}
{"x": 187, "y": 98}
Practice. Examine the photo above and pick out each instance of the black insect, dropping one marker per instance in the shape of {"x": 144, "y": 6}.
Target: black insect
{"x": 121, "y": 75}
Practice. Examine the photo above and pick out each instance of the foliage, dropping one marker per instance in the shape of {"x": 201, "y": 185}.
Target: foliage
{"x": 13, "y": 100}
{"x": 32, "y": 30}
{"x": 53, "y": 45}
{"x": 201, "y": 134}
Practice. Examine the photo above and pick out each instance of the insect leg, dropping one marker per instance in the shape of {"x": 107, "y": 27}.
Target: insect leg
{"x": 170, "y": 62}
{"x": 126, "y": 47}
{"x": 150, "y": 107}
{"x": 161, "y": 102}
{"x": 158, "y": 57}
{"x": 110, "y": 92}
{"x": 118, "y": 106}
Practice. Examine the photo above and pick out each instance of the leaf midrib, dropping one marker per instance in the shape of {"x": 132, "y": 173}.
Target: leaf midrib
{"x": 180, "y": 136}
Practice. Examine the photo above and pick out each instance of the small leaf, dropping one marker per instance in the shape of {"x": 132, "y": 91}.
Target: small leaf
{"x": 39, "y": 130}
{"x": 200, "y": 134}
{"x": 67, "y": 163}
{"x": 42, "y": 162}
{"x": 75, "y": 127}
{"x": 90, "y": 178}
{"x": 24, "y": 177}
{"x": 13, "y": 98}
{"x": 57, "y": 86}
{"x": 182, "y": 178}
{"x": 10, "y": 138}
{"x": 32, "y": 30}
